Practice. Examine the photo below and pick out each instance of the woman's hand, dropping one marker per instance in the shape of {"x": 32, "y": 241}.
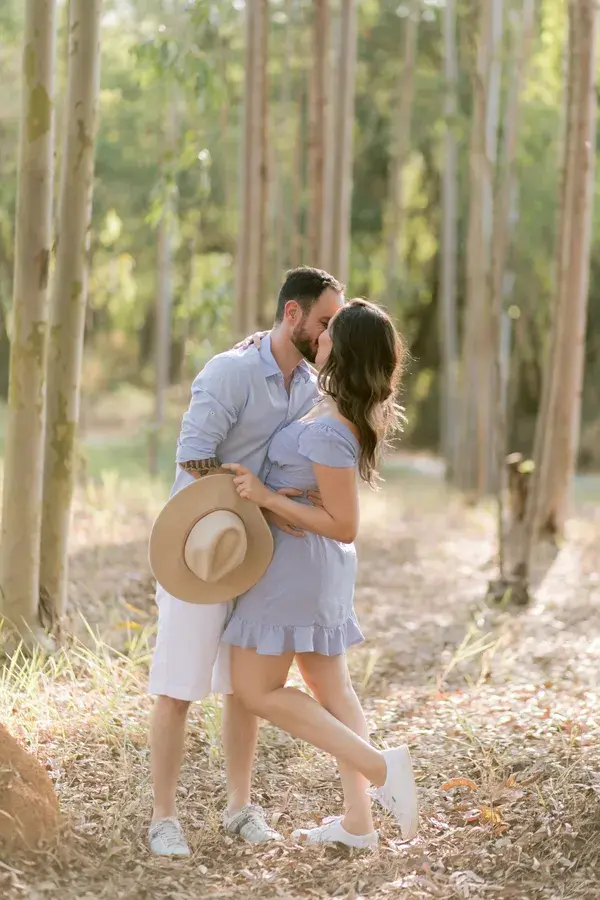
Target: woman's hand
{"x": 255, "y": 339}
{"x": 248, "y": 485}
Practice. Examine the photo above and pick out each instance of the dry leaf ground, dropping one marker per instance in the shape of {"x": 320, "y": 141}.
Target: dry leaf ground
{"x": 500, "y": 708}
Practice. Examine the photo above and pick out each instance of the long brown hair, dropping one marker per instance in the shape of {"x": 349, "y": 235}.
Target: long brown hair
{"x": 362, "y": 374}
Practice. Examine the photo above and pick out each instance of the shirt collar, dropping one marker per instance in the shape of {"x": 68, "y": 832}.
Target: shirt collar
{"x": 270, "y": 367}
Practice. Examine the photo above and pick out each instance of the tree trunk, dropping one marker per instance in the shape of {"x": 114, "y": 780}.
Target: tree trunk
{"x": 252, "y": 256}
{"x": 342, "y": 151}
{"x": 263, "y": 314}
{"x": 162, "y": 332}
{"x": 400, "y": 153}
{"x": 474, "y": 466}
{"x": 24, "y": 455}
{"x": 523, "y": 34}
{"x": 69, "y": 295}
{"x": 297, "y": 182}
{"x": 557, "y": 435}
{"x": 563, "y": 452}
{"x": 465, "y": 470}
{"x": 164, "y": 281}
{"x": 487, "y": 345}
{"x": 282, "y": 213}
{"x": 4, "y": 353}
{"x": 448, "y": 317}
{"x": 318, "y": 133}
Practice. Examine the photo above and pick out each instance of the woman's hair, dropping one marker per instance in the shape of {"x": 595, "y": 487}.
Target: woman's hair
{"x": 362, "y": 374}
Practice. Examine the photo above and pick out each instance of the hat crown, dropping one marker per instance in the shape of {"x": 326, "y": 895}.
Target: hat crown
{"x": 216, "y": 545}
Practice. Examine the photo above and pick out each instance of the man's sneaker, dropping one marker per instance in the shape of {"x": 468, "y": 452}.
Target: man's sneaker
{"x": 399, "y": 793}
{"x": 166, "y": 838}
{"x": 250, "y": 823}
{"x": 333, "y": 832}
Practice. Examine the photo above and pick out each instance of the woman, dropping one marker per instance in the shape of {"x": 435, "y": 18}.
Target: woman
{"x": 303, "y": 606}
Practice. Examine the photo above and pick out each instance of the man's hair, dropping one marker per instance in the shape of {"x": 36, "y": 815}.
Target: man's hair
{"x": 305, "y": 285}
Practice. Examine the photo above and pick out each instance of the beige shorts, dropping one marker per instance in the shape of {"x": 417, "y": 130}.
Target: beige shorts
{"x": 189, "y": 660}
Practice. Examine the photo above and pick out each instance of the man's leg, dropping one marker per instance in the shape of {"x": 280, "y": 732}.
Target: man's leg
{"x": 186, "y": 648}
{"x": 239, "y": 736}
{"x": 167, "y": 734}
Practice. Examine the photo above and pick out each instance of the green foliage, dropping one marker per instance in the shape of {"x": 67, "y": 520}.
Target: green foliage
{"x": 188, "y": 59}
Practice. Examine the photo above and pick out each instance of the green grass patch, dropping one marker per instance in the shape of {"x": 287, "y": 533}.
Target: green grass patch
{"x": 129, "y": 458}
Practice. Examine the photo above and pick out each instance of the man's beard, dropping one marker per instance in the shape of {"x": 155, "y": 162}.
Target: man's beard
{"x": 303, "y": 344}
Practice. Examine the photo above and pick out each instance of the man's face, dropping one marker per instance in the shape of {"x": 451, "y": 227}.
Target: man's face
{"x": 306, "y": 333}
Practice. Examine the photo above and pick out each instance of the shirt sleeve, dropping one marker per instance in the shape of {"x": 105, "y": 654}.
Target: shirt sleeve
{"x": 219, "y": 393}
{"x": 325, "y": 446}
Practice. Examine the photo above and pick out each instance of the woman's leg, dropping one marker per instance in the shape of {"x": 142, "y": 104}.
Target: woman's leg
{"x": 259, "y": 683}
{"x": 329, "y": 680}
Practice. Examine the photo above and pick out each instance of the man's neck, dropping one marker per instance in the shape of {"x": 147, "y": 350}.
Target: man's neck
{"x": 284, "y": 353}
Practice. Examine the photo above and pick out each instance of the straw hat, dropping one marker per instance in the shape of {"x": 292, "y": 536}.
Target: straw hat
{"x": 208, "y": 545}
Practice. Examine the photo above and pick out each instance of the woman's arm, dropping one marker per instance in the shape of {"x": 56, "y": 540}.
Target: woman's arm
{"x": 336, "y": 519}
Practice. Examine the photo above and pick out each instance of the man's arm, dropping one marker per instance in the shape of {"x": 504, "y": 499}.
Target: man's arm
{"x": 219, "y": 393}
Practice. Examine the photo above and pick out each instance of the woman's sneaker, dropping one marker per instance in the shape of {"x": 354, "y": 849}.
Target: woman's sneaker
{"x": 250, "y": 823}
{"x": 399, "y": 793}
{"x": 331, "y": 831}
{"x": 166, "y": 838}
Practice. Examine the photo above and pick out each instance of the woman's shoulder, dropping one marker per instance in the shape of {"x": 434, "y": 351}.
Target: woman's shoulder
{"x": 328, "y": 440}
{"x": 329, "y": 424}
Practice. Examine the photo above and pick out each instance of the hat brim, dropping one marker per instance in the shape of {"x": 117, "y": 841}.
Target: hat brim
{"x": 176, "y": 520}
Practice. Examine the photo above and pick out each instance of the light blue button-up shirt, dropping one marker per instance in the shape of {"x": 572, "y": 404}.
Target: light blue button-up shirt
{"x": 239, "y": 401}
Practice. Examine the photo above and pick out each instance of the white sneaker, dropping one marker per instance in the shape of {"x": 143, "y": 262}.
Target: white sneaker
{"x": 399, "y": 793}
{"x": 331, "y": 831}
{"x": 250, "y": 823}
{"x": 166, "y": 838}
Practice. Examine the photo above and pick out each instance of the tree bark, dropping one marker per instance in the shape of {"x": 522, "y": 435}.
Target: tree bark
{"x": 280, "y": 208}
{"x": 557, "y": 428}
{"x": 400, "y": 153}
{"x": 474, "y": 469}
{"x": 523, "y": 32}
{"x": 263, "y": 314}
{"x": 557, "y": 437}
{"x": 488, "y": 342}
{"x": 342, "y": 151}
{"x": 297, "y": 183}
{"x": 465, "y": 470}
{"x": 448, "y": 316}
{"x": 252, "y": 252}
{"x": 24, "y": 454}
{"x": 164, "y": 282}
{"x": 318, "y": 148}
{"x": 69, "y": 295}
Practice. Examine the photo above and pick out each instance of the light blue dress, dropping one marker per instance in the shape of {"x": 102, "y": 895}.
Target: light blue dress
{"x": 304, "y": 602}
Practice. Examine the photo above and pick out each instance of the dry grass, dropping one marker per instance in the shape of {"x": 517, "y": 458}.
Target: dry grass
{"x": 506, "y": 701}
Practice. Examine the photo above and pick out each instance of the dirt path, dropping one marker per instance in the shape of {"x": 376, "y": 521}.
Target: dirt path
{"x": 505, "y": 701}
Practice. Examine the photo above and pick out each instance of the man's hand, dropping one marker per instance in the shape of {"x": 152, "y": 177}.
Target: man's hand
{"x": 255, "y": 339}
{"x": 273, "y": 519}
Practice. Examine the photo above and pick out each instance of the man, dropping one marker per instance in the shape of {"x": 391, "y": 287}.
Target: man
{"x": 239, "y": 401}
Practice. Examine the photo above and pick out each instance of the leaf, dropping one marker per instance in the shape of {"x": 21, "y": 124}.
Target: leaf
{"x": 459, "y": 782}
{"x": 473, "y": 815}
{"x": 490, "y": 816}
